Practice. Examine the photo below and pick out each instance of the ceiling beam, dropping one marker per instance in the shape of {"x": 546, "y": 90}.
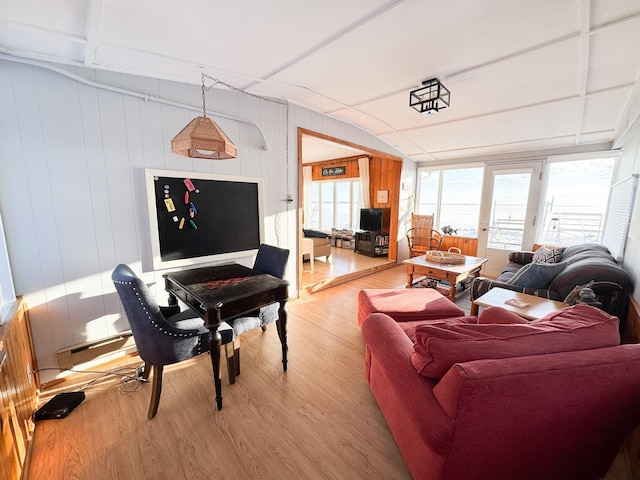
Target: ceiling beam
{"x": 92, "y": 26}
{"x": 583, "y": 65}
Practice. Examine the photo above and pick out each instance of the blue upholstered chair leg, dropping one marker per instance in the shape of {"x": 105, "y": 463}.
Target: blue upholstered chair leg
{"x": 156, "y": 390}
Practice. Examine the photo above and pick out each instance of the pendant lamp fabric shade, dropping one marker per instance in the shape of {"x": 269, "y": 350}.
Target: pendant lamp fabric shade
{"x": 202, "y": 138}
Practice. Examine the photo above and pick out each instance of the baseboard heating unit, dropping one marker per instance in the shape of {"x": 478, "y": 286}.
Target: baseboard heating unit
{"x": 113, "y": 346}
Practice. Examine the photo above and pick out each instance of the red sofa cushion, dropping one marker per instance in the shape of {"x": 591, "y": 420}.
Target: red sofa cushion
{"x": 581, "y": 327}
{"x": 405, "y": 305}
{"x": 499, "y": 315}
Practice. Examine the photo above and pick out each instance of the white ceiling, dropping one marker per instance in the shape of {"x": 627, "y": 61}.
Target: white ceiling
{"x": 523, "y": 74}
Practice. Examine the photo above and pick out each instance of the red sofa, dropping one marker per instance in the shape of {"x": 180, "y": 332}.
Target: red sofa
{"x": 534, "y": 411}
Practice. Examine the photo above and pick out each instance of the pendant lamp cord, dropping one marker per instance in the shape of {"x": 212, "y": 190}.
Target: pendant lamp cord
{"x": 204, "y": 97}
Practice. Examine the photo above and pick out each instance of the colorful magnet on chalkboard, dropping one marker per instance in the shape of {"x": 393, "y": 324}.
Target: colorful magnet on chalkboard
{"x": 169, "y": 203}
{"x": 181, "y": 223}
{"x": 193, "y": 207}
{"x": 193, "y": 224}
{"x": 189, "y": 184}
{"x": 186, "y": 196}
{"x": 197, "y": 190}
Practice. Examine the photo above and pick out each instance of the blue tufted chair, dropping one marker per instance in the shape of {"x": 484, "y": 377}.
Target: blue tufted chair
{"x": 163, "y": 335}
{"x": 273, "y": 261}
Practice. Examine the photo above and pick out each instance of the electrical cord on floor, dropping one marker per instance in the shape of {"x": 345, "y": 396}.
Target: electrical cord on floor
{"x": 132, "y": 376}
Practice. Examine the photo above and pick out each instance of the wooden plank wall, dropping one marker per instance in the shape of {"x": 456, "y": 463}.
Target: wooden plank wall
{"x": 18, "y": 393}
{"x": 351, "y": 170}
{"x": 384, "y": 174}
{"x": 467, "y": 245}
{"x": 631, "y": 334}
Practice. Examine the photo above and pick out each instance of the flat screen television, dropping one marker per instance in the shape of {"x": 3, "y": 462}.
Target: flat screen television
{"x": 199, "y": 217}
{"x": 372, "y": 219}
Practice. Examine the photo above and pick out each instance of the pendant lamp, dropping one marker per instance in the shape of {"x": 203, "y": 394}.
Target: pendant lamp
{"x": 202, "y": 138}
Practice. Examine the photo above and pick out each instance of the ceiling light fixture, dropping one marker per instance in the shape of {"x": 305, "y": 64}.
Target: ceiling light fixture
{"x": 430, "y": 98}
{"x": 202, "y": 138}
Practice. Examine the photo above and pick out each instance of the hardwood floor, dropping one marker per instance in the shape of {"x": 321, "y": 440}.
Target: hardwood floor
{"x": 316, "y": 421}
{"x": 343, "y": 265}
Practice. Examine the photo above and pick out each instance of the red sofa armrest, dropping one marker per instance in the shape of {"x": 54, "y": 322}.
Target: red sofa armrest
{"x": 525, "y": 417}
{"x": 418, "y": 423}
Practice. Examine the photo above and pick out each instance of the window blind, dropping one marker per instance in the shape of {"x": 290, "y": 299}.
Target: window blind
{"x": 616, "y": 228}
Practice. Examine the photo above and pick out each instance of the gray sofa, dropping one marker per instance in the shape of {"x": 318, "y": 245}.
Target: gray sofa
{"x": 584, "y": 263}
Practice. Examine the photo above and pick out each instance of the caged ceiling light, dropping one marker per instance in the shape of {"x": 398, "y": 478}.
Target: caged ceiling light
{"x": 430, "y": 98}
{"x": 202, "y": 138}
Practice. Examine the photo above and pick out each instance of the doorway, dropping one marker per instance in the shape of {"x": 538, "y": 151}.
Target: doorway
{"x": 507, "y": 213}
{"x": 345, "y": 264}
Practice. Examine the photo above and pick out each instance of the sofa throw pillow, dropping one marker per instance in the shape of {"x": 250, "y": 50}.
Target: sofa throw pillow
{"x": 547, "y": 255}
{"x": 581, "y": 327}
{"x": 536, "y": 275}
{"x": 499, "y": 315}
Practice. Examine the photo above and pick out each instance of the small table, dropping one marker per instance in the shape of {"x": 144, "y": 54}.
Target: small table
{"x": 453, "y": 274}
{"x": 538, "y": 306}
{"x": 307, "y": 248}
{"x": 224, "y": 292}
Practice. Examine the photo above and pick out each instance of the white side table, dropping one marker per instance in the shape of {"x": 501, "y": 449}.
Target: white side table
{"x": 307, "y": 247}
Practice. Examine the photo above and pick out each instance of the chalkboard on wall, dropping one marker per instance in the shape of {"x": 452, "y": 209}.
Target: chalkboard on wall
{"x": 197, "y": 218}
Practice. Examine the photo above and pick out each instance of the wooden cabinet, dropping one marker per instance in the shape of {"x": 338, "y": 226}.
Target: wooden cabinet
{"x": 372, "y": 244}
{"x": 467, "y": 245}
{"x": 18, "y": 391}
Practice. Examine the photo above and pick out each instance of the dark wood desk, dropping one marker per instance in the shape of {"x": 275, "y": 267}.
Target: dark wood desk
{"x": 224, "y": 292}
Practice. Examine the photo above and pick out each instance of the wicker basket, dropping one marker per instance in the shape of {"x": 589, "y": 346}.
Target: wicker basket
{"x": 449, "y": 258}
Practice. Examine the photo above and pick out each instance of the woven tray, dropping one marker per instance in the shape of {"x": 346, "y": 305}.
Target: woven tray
{"x": 449, "y": 258}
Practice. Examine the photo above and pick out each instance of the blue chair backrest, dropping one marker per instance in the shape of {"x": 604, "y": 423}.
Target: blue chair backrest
{"x": 271, "y": 260}
{"x": 158, "y": 342}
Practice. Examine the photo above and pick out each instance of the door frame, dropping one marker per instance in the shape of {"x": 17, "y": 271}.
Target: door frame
{"x": 498, "y": 258}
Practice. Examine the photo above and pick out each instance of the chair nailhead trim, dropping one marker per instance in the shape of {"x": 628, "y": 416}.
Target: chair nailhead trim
{"x": 153, "y": 322}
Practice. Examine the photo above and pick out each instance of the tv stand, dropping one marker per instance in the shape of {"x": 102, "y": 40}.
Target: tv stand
{"x": 373, "y": 244}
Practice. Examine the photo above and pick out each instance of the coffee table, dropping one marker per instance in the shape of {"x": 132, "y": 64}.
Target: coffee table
{"x": 453, "y": 274}
{"x": 537, "y": 307}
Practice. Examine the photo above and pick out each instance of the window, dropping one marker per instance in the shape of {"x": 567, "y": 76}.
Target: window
{"x": 334, "y": 204}
{"x": 453, "y": 197}
{"x": 576, "y": 199}
{"x": 572, "y": 210}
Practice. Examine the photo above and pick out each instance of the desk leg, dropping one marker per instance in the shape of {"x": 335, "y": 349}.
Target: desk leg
{"x": 409, "y": 276}
{"x": 281, "y": 324}
{"x": 215, "y": 340}
{"x": 452, "y": 291}
{"x": 173, "y": 300}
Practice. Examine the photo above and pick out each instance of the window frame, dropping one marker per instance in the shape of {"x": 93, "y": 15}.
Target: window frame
{"x": 442, "y": 168}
